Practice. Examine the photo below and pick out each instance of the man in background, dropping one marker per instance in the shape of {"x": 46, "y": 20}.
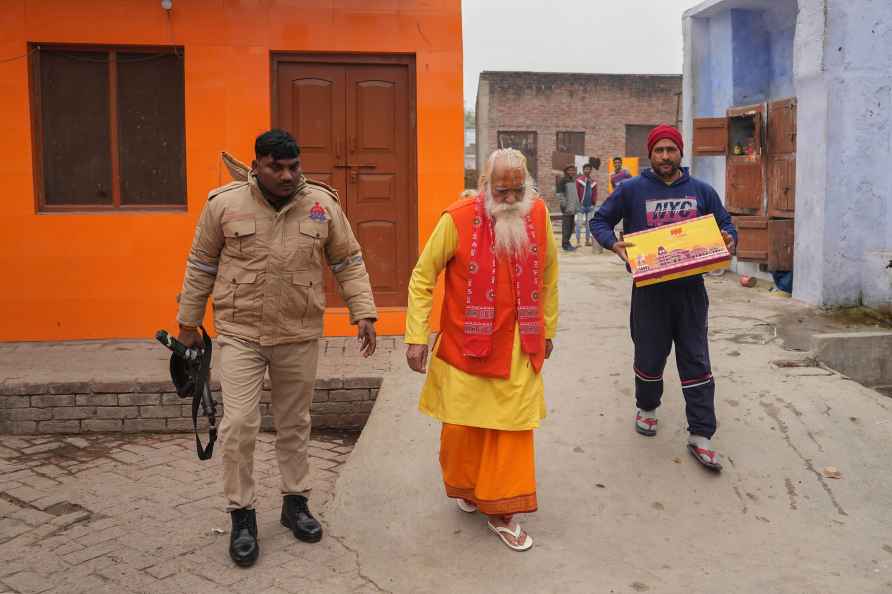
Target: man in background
{"x": 587, "y": 190}
{"x": 619, "y": 173}
{"x": 569, "y": 197}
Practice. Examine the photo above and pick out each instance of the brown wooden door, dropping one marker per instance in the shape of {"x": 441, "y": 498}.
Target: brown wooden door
{"x": 352, "y": 122}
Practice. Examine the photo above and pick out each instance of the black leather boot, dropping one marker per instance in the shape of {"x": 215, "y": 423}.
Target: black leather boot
{"x": 296, "y": 516}
{"x": 243, "y": 547}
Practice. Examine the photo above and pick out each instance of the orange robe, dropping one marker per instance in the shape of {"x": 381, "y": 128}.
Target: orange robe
{"x": 494, "y": 469}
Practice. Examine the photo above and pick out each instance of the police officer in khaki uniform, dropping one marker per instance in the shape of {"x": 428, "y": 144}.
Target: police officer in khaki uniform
{"x": 259, "y": 247}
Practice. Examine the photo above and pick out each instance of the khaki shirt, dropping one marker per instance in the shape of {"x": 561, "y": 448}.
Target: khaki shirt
{"x": 265, "y": 267}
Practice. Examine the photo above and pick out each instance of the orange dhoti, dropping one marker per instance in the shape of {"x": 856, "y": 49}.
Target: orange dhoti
{"x": 494, "y": 469}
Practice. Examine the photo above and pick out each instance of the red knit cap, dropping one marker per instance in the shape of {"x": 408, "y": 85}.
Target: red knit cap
{"x": 664, "y": 131}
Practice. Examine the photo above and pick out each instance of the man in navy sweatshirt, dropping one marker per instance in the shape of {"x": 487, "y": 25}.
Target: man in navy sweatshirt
{"x": 672, "y": 311}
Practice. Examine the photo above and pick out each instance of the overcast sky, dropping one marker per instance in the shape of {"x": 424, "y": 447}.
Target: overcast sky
{"x": 607, "y": 36}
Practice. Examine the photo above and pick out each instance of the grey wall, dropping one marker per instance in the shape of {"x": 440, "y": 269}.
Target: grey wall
{"x": 848, "y": 151}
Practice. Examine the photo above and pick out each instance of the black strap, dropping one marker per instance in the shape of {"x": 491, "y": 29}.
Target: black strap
{"x": 202, "y": 396}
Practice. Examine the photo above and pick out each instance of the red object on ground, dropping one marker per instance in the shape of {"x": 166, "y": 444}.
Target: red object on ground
{"x": 748, "y": 281}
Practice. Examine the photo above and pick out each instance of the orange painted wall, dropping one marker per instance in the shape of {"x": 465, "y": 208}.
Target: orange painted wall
{"x": 110, "y": 275}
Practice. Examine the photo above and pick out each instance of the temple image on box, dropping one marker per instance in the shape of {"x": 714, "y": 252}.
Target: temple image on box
{"x": 675, "y": 250}
{"x": 664, "y": 258}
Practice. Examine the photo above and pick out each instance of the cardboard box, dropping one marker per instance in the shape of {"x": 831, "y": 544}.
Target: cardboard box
{"x": 677, "y": 250}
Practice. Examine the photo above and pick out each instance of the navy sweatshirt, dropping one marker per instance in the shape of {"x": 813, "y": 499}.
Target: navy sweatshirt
{"x": 646, "y": 201}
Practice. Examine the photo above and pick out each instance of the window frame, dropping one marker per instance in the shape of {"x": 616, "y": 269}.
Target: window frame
{"x": 557, "y": 136}
{"x": 34, "y": 80}
{"x": 532, "y": 164}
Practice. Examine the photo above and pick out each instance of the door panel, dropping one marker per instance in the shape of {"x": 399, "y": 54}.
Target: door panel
{"x": 381, "y": 238}
{"x": 782, "y": 127}
{"x": 781, "y": 185}
{"x": 312, "y": 106}
{"x": 710, "y": 136}
{"x": 780, "y": 237}
{"x": 378, "y": 184}
{"x": 753, "y": 244}
{"x": 744, "y": 185}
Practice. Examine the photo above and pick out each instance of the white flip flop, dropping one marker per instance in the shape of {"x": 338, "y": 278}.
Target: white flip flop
{"x": 503, "y": 531}
{"x": 466, "y": 506}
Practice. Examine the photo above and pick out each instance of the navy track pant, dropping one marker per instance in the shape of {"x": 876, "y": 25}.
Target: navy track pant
{"x": 667, "y": 313}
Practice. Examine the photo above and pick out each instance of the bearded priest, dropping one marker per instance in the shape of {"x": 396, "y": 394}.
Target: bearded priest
{"x": 500, "y": 314}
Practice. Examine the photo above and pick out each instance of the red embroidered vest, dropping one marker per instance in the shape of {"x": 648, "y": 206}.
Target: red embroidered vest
{"x": 498, "y": 364}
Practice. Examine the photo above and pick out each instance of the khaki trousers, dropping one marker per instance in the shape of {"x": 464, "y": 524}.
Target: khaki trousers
{"x": 292, "y": 372}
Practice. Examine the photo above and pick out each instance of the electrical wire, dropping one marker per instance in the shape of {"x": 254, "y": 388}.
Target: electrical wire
{"x": 21, "y": 57}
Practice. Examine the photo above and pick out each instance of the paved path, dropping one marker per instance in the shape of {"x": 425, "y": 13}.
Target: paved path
{"x": 622, "y": 513}
{"x": 112, "y": 514}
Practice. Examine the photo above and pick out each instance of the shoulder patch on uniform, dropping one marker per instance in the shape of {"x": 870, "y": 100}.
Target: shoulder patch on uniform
{"x": 230, "y": 186}
{"x": 318, "y": 214}
{"x": 325, "y": 188}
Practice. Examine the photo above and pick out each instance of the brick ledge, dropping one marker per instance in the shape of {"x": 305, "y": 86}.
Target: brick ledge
{"x": 138, "y": 407}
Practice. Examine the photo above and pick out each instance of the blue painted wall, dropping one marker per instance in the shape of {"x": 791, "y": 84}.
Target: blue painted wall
{"x": 751, "y": 55}
{"x": 780, "y": 83}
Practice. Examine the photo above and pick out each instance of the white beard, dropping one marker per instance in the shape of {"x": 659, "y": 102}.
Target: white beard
{"x": 510, "y": 226}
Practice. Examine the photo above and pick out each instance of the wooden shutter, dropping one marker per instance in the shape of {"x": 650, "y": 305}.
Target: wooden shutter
{"x": 781, "y": 135}
{"x": 744, "y": 187}
{"x": 710, "y": 136}
{"x": 151, "y": 129}
{"x": 781, "y": 164}
{"x": 780, "y": 239}
{"x": 753, "y": 244}
{"x": 781, "y": 174}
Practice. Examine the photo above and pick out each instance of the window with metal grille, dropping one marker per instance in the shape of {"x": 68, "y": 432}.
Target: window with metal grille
{"x": 523, "y": 141}
{"x": 570, "y": 142}
{"x": 109, "y": 128}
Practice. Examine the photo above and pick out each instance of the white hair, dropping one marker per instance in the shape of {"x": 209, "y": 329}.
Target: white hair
{"x": 510, "y": 227}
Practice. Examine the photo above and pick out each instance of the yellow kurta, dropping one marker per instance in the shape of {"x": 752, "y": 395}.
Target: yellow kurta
{"x": 454, "y": 396}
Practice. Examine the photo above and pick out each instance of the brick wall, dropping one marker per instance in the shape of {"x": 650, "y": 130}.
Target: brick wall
{"x": 82, "y": 407}
{"x": 599, "y": 104}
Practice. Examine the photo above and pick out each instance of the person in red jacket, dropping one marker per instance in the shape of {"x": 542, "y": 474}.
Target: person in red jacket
{"x": 587, "y": 191}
